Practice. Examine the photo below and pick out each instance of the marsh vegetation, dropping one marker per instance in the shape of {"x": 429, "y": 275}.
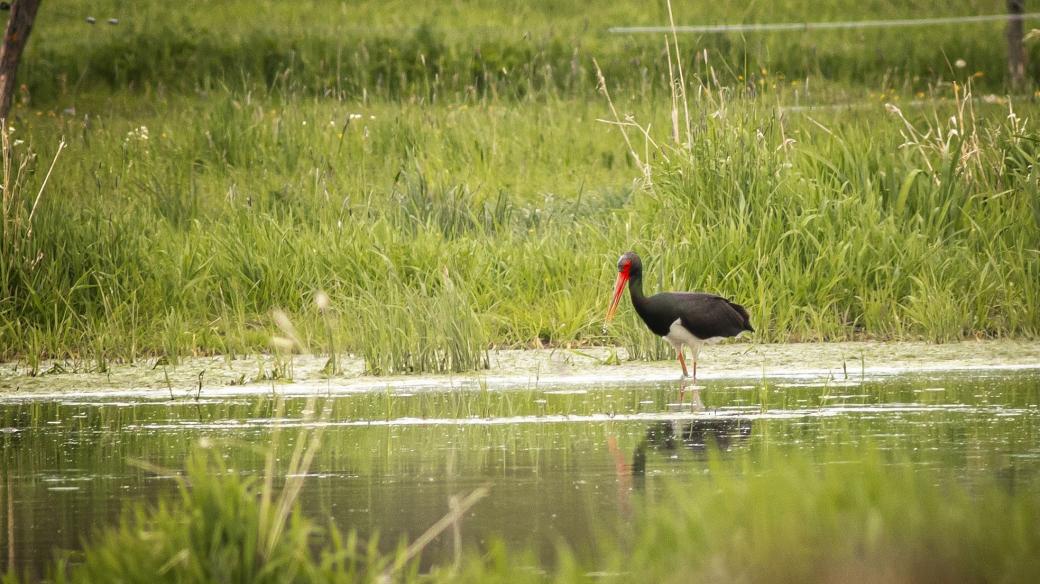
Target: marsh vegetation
{"x": 461, "y": 188}
{"x": 421, "y": 185}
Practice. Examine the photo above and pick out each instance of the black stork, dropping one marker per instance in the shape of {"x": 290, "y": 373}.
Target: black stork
{"x": 683, "y": 318}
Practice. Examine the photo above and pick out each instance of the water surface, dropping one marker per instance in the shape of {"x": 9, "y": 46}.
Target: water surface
{"x": 562, "y": 463}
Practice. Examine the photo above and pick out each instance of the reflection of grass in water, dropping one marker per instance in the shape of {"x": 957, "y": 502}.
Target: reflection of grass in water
{"x": 973, "y": 445}
{"x": 216, "y": 532}
{"x": 779, "y": 484}
{"x": 951, "y": 438}
{"x": 1012, "y": 390}
{"x": 230, "y": 527}
{"x": 777, "y": 519}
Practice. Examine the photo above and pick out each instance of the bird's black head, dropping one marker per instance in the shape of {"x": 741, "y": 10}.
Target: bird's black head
{"x": 629, "y": 263}
{"x": 628, "y": 267}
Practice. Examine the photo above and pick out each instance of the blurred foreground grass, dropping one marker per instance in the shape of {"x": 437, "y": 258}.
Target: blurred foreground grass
{"x": 784, "y": 519}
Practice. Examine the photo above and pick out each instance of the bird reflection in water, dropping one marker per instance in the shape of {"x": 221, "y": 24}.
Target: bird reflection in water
{"x": 697, "y": 436}
{"x": 696, "y": 403}
{"x": 672, "y": 436}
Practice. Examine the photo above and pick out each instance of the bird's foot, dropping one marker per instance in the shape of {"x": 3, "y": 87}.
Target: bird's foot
{"x": 696, "y": 403}
{"x": 688, "y": 384}
{"x": 688, "y": 381}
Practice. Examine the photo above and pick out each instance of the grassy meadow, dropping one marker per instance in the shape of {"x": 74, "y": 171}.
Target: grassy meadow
{"x": 453, "y": 178}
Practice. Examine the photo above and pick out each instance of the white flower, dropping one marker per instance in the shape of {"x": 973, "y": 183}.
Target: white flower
{"x": 960, "y": 63}
{"x": 140, "y": 134}
{"x": 321, "y": 299}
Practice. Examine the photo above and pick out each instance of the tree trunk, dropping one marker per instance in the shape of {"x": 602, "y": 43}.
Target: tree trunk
{"x": 1016, "y": 52}
{"x": 19, "y": 25}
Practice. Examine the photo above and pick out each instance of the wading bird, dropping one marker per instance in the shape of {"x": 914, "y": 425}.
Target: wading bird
{"x": 682, "y": 318}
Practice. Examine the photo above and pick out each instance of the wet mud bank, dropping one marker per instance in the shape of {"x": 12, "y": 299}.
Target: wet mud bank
{"x": 510, "y": 369}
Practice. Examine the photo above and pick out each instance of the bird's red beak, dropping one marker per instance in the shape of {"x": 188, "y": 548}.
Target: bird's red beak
{"x": 619, "y": 287}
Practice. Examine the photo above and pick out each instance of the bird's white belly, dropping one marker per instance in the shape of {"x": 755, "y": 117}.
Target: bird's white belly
{"x": 678, "y": 335}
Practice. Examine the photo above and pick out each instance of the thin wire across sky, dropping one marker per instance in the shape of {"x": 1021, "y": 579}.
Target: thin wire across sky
{"x": 803, "y": 26}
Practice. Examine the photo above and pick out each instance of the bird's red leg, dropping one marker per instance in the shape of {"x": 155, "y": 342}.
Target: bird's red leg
{"x": 682, "y": 382}
{"x": 696, "y": 353}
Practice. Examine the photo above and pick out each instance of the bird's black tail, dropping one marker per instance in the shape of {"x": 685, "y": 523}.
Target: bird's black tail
{"x": 744, "y": 316}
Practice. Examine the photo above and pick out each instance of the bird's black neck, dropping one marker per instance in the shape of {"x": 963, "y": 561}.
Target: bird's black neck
{"x": 635, "y": 289}
{"x": 655, "y": 315}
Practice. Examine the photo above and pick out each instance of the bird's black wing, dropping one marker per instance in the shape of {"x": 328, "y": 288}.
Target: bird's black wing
{"x": 708, "y": 315}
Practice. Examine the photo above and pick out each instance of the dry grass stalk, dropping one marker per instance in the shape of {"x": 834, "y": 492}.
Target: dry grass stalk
{"x": 451, "y": 519}
{"x": 299, "y": 464}
{"x": 643, "y": 166}
{"x": 682, "y": 77}
{"x": 958, "y": 137}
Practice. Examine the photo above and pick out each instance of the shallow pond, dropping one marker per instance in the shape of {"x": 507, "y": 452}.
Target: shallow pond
{"x": 562, "y": 463}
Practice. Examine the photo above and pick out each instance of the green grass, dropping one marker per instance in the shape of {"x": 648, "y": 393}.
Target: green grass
{"x": 450, "y": 52}
{"x": 445, "y": 215}
{"x": 185, "y": 242}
